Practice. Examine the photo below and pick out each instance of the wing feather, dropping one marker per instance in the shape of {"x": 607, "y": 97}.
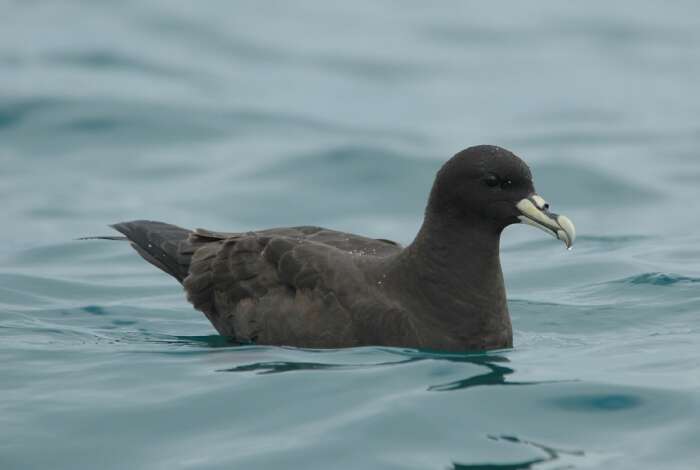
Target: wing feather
{"x": 273, "y": 282}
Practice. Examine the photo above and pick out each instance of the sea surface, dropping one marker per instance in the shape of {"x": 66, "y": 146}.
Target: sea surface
{"x": 246, "y": 115}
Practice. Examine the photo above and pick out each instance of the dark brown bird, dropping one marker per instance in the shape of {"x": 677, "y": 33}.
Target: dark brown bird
{"x": 318, "y": 288}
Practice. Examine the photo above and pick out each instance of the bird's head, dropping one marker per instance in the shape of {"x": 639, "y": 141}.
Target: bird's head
{"x": 489, "y": 186}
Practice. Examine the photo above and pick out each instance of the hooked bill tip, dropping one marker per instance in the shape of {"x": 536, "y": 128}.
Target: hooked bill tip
{"x": 568, "y": 226}
{"x": 535, "y": 212}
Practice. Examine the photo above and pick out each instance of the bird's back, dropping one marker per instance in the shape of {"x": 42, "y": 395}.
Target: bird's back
{"x": 295, "y": 286}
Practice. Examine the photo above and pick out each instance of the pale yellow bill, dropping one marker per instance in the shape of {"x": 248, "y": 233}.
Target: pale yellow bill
{"x": 535, "y": 212}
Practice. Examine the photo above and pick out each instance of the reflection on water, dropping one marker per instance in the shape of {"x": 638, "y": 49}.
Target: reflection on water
{"x": 551, "y": 455}
{"x": 496, "y": 374}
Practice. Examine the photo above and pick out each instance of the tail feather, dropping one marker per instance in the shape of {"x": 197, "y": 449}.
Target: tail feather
{"x": 163, "y": 245}
{"x": 103, "y": 237}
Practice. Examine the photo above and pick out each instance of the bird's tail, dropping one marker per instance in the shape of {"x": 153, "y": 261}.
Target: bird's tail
{"x": 103, "y": 237}
{"x": 165, "y": 246}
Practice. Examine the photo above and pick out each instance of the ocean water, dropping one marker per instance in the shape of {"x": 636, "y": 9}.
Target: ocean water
{"x": 245, "y": 115}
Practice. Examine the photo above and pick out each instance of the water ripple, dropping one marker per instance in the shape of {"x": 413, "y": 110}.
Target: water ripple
{"x": 551, "y": 454}
{"x": 659, "y": 279}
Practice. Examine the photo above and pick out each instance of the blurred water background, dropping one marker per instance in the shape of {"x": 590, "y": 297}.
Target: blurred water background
{"x": 243, "y": 115}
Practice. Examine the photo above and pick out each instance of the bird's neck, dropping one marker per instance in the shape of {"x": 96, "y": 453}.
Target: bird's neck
{"x": 459, "y": 281}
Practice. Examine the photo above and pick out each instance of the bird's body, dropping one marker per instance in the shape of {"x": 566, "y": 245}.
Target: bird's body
{"x": 319, "y": 288}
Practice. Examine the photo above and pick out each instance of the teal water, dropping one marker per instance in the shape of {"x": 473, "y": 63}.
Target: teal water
{"x": 244, "y": 115}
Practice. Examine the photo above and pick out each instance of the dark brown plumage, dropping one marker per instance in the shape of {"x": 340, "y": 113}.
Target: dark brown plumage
{"x": 318, "y": 288}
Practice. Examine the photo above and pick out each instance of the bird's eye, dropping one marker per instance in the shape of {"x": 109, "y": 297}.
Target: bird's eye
{"x": 492, "y": 180}
{"x": 505, "y": 184}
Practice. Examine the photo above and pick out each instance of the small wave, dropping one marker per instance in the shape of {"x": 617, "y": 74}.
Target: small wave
{"x": 587, "y": 243}
{"x": 28, "y": 290}
{"x": 114, "y": 60}
{"x": 599, "y": 402}
{"x": 659, "y": 279}
{"x": 61, "y": 121}
{"x": 346, "y": 164}
{"x": 613, "y": 239}
{"x": 14, "y": 113}
{"x": 69, "y": 253}
{"x": 586, "y": 186}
